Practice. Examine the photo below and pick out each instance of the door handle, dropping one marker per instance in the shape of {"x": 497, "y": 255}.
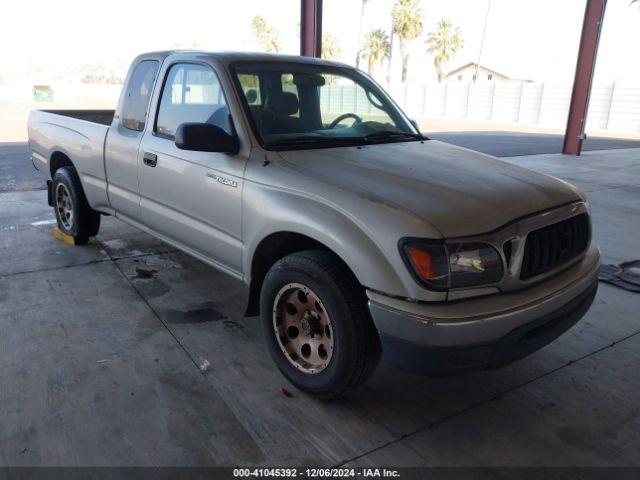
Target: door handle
{"x": 150, "y": 159}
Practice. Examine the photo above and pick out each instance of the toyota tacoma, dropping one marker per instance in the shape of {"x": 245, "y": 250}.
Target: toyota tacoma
{"x": 356, "y": 235}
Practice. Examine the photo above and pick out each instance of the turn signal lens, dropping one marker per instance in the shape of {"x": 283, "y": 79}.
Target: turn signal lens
{"x": 429, "y": 262}
{"x": 421, "y": 262}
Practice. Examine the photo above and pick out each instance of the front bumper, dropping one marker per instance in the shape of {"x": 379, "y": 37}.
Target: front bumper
{"x": 487, "y": 332}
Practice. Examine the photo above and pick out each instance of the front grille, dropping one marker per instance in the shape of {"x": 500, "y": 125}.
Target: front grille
{"x": 507, "y": 249}
{"x": 554, "y": 245}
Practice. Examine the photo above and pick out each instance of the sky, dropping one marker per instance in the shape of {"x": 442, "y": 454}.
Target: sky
{"x": 536, "y": 40}
{"x": 527, "y": 40}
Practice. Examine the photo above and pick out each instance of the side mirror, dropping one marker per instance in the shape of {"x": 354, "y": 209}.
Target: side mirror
{"x": 204, "y": 137}
{"x": 415, "y": 124}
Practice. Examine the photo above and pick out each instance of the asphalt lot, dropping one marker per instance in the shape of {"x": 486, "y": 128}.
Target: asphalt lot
{"x": 16, "y": 171}
{"x": 511, "y": 144}
{"x": 101, "y": 348}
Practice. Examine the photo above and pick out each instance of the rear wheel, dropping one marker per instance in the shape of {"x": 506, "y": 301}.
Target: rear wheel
{"x": 74, "y": 215}
{"x": 317, "y": 325}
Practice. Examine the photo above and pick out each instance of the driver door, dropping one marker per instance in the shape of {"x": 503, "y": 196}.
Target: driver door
{"x": 192, "y": 198}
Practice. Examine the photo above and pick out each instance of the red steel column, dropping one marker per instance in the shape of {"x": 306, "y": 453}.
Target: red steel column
{"x": 310, "y": 27}
{"x": 591, "y": 28}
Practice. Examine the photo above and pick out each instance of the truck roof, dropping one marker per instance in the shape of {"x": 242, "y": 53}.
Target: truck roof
{"x": 228, "y": 57}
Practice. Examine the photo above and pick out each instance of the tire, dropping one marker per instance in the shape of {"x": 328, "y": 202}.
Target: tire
{"x": 335, "y": 309}
{"x": 74, "y": 215}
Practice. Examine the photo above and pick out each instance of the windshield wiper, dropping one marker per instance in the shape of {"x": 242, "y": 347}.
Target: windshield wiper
{"x": 316, "y": 140}
{"x": 327, "y": 141}
{"x": 391, "y": 134}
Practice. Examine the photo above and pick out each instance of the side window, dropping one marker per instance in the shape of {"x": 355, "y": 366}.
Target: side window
{"x": 136, "y": 102}
{"x": 191, "y": 93}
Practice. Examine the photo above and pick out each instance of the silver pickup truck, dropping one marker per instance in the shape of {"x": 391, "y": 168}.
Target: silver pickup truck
{"x": 356, "y": 235}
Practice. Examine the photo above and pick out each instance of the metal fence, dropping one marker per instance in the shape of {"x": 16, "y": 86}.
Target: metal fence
{"x": 614, "y": 107}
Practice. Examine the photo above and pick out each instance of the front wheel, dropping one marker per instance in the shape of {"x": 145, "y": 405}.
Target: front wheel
{"x": 317, "y": 325}
{"x": 74, "y": 215}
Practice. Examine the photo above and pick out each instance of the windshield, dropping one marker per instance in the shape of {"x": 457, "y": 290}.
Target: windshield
{"x": 297, "y": 105}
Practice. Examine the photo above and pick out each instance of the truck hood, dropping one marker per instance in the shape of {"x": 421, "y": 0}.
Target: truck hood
{"x": 458, "y": 191}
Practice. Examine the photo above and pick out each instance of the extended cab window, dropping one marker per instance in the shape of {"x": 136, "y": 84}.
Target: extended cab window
{"x": 191, "y": 93}
{"x": 136, "y": 102}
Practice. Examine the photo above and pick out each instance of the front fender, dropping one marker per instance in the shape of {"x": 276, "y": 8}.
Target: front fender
{"x": 269, "y": 210}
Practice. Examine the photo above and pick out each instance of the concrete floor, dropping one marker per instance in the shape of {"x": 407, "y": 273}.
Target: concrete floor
{"x": 101, "y": 347}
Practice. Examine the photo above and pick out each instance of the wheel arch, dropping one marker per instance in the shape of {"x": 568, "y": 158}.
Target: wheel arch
{"x": 269, "y": 250}
{"x": 94, "y": 188}
{"x": 356, "y": 253}
{"x": 57, "y": 160}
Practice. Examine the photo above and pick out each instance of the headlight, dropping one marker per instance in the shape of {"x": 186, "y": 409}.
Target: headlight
{"x": 441, "y": 266}
{"x": 474, "y": 264}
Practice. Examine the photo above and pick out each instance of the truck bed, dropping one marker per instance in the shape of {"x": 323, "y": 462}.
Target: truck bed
{"x": 103, "y": 117}
{"x": 77, "y": 136}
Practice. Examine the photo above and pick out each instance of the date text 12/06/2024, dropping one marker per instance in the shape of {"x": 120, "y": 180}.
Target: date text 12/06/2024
{"x": 316, "y": 473}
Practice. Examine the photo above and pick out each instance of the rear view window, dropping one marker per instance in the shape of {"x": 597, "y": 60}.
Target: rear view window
{"x": 138, "y": 95}
{"x": 251, "y": 87}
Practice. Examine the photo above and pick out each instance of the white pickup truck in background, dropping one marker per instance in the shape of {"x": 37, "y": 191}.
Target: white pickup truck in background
{"x": 356, "y": 235}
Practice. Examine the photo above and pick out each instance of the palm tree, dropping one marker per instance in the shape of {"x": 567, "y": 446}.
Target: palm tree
{"x": 376, "y": 48}
{"x": 407, "y": 24}
{"x": 443, "y": 43}
{"x": 330, "y": 47}
{"x": 364, "y": 4}
{"x": 268, "y": 37}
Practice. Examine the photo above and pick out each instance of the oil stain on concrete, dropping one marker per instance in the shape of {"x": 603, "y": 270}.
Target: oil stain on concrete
{"x": 205, "y": 312}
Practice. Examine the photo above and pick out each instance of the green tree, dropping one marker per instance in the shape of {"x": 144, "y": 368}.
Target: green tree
{"x": 407, "y": 24}
{"x": 268, "y": 37}
{"x": 359, "y": 52}
{"x": 330, "y": 47}
{"x": 443, "y": 43}
{"x": 376, "y": 48}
